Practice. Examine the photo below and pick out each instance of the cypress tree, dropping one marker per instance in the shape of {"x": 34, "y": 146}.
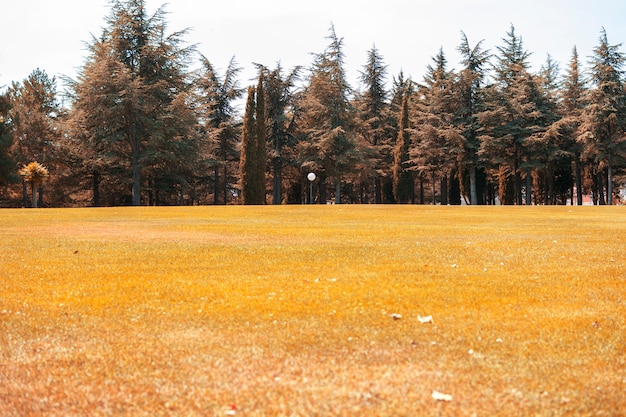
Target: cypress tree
{"x": 247, "y": 163}
{"x": 261, "y": 148}
{"x": 402, "y": 179}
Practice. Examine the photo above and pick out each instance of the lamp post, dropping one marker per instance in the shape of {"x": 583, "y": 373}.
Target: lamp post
{"x": 311, "y": 177}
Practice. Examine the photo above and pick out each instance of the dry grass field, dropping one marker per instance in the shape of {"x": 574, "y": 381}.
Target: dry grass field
{"x": 313, "y": 311}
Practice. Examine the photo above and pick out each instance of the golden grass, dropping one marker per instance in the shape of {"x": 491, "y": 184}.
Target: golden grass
{"x": 286, "y": 311}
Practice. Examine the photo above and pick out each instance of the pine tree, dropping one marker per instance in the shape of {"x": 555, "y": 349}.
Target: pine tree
{"x": 469, "y": 87}
{"x": 130, "y": 84}
{"x": 280, "y": 99}
{"x": 216, "y": 95}
{"x": 7, "y": 165}
{"x": 604, "y": 116}
{"x": 553, "y": 179}
{"x": 572, "y": 104}
{"x": 509, "y": 119}
{"x": 374, "y": 114}
{"x": 438, "y": 140}
{"x": 327, "y": 122}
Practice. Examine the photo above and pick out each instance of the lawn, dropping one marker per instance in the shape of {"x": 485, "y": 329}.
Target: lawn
{"x": 313, "y": 311}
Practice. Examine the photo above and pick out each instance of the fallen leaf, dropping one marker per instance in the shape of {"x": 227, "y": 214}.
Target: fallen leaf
{"x": 439, "y": 396}
{"x": 425, "y": 319}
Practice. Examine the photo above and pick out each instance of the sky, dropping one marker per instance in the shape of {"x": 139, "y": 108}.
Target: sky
{"x": 51, "y": 35}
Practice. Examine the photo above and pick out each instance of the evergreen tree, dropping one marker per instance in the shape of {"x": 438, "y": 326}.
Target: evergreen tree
{"x": 510, "y": 118}
{"x": 216, "y": 95}
{"x": 253, "y": 146}
{"x": 403, "y": 182}
{"x": 374, "y": 114}
{"x": 260, "y": 142}
{"x": 280, "y": 99}
{"x": 327, "y": 121}
{"x": 34, "y": 112}
{"x": 604, "y": 116}
{"x": 553, "y": 179}
{"x": 438, "y": 140}
{"x": 7, "y": 165}
{"x": 129, "y": 86}
{"x": 469, "y": 87}
{"x": 572, "y": 94}
{"x": 400, "y": 86}
{"x": 247, "y": 160}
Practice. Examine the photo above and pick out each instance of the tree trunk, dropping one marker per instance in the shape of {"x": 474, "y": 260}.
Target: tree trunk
{"x": 225, "y": 189}
{"x": 338, "y": 191}
{"x": 24, "y": 194}
{"x": 529, "y": 188}
{"x": 472, "y": 179}
{"x": 277, "y": 181}
{"x": 600, "y": 187}
{"x": 443, "y": 185}
{"x": 216, "y": 185}
{"x": 34, "y": 194}
{"x": 609, "y": 185}
{"x": 378, "y": 197}
{"x": 551, "y": 193}
{"x": 517, "y": 187}
{"x": 136, "y": 192}
{"x": 434, "y": 191}
{"x": 579, "y": 185}
{"x": 322, "y": 188}
{"x": 95, "y": 177}
{"x": 454, "y": 191}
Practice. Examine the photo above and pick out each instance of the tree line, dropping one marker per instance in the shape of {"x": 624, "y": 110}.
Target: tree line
{"x": 139, "y": 126}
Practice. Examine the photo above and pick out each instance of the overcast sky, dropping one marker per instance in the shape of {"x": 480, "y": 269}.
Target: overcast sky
{"x": 51, "y": 34}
